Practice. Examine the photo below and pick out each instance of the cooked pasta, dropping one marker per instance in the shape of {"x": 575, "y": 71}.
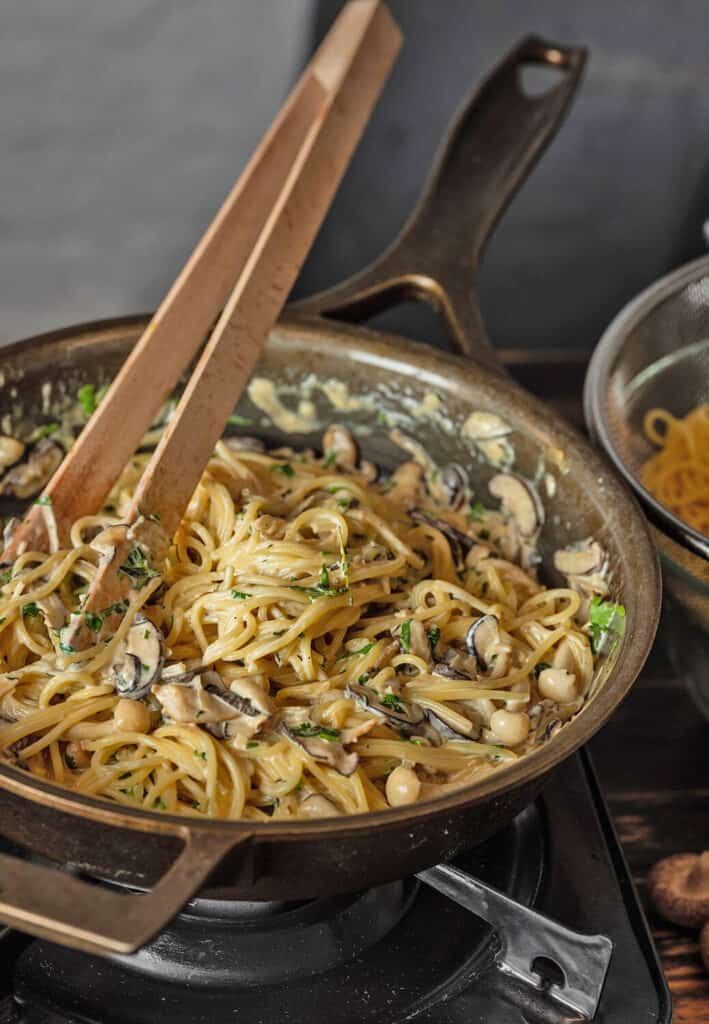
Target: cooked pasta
{"x": 316, "y": 643}
{"x": 678, "y": 475}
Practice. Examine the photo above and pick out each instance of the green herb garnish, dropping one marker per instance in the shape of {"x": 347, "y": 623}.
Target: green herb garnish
{"x": 87, "y": 397}
{"x": 71, "y": 763}
{"x": 352, "y": 654}
{"x": 93, "y": 621}
{"x": 605, "y": 620}
{"x": 477, "y": 512}
{"x": 405, "y": 638}
{"x": 239, "y": 421}
{"x": 390, "y": 700}
{"x": 239, "y": 595}
{"x": 6, "y": 576}
{"x": 329, "y": 460}
{"x": 202, "y": 754}
{"x": 483, "y": 534}
{"x": 283, "y": 467}
{"x": 30, "y": 610}
{"x": 137, "y": 568}
{"x": 308, "y": 729}
{"x": 44, "y": 499}
{"x": 45, "y": 430}
{"x": 251, "y": 744}
{"x": 540, "y": 667}
{"x": 66, "y": 648}
{"x": 159, "y": 803}
{"x": 363, "y": 679}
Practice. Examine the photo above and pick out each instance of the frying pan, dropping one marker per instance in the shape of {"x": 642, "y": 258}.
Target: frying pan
{"x": 493, "y": 144}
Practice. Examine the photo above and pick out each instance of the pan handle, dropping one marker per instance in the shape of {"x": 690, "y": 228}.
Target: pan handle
{"x": 493, "y": 143}
{"x": 94, "y": 918}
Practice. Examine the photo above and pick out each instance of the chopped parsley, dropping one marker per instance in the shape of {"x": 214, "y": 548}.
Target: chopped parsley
{"x": 324, "y": 577}
{"x": 251, "y": 744}
{"x": 3, "y": 619}
{"x": 71, "y": 763}
{"x": 329, "y": 460}
{"x": 30, "y": 610}
{"x": 390, "y": 700}
{"x": 283, "y": 467}
{"x": 137, "y": 568}
{"x": 343, "y": 503}
{"x": 416, "y": 740}
{"x": 202, "y": 754}
{"x": 605, "y": 621}
{"x": 146, "y": 634}
{"x": 159, "y": 803}
{"x": 363, "y": 679}
{"x": 540, "y": 667}
{"x": 239, "y": 421}
{"x": 93, "y": 621}
{"x": 308, "y": 729}
{"x": 45, "y": 430}
{"x": 44, "y": 499}
{"x": 382, "y": 419}
{"x": 87, "y": 398}
{"x": 66, "y": 648}
{"x": 6, "y": 576}
{"x": 405, "y": 638}
{"x": 352, "y": 654}
{"x": 477, "y": 512}
{"x": 434, "y": 635}
{"x": 239, "y": 595}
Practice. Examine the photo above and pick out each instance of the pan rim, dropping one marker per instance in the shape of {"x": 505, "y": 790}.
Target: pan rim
{"x": 379, "y": 348}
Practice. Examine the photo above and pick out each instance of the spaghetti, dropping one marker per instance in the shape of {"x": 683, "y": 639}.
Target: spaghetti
{"x": 316, "y": 643}
{"x": 678, "y": 475}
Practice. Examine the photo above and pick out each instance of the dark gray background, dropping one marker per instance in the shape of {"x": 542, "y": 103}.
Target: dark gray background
{"x": 123, "y": 124}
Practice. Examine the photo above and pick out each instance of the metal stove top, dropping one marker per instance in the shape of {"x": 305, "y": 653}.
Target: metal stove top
{"x": 397, "y": 953}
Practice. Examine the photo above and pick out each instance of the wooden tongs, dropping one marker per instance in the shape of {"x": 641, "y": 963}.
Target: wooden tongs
{"x": 242, "y": 271}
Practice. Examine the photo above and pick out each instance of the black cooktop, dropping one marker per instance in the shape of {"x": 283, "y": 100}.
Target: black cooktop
{"x": 397, "y": 953}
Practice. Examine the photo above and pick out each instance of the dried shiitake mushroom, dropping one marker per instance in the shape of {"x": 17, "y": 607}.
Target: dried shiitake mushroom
{"x": 679, "y": 888}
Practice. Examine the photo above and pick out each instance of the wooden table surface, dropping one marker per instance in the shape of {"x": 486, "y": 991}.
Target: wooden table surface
{"x": 652, "y": 758}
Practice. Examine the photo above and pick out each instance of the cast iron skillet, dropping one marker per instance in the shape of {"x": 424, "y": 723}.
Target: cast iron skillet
{"x": 492, "y": 146}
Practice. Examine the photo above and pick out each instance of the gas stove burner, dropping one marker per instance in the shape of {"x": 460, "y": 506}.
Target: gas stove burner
{"x": 395, "y": 953}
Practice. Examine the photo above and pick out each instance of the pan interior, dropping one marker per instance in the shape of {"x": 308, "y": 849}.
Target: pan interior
{"x": 375, "y": 384}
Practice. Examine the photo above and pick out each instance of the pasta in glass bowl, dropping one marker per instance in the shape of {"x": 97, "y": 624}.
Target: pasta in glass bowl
{"x": 646, "y": 400}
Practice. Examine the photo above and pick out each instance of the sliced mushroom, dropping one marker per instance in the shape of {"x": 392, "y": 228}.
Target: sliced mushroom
{"x": 137, "y": 663}
{"x": 245, "y": 444}
{"x": 11, "y": 451}
{"x": 460, "y": 543}
{"x": 520, "y": 502}
{"x": 248, "y": 699}
{"x": 28, "y": 477}
{"x": 581, "y": 559}
{"x": 406, "y": 484}
{"x": 485, "y": 643}
{"x": 53, "y": 610}
{"x": 328, "y": 751}
{"x": 449, "y": 727}
{"x": 399, "y": 712}
{"x": 317, "y": 806}
{"x": 369, "y": 471}
{"x": 339, "y": 440}
{"x": 679, "y": 888}
{"x": 181, "y": 674}
{"x": 454, "y": 481}
{"x": 558, "y": 685}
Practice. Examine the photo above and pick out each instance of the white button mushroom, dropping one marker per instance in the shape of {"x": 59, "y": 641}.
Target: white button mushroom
{"x": 510, "y": 727}
{"x": 10, "y": 451}
{"x": 131, "y": 716}
{"x": 558, "y": 685}
{"x": 402, "y": 787}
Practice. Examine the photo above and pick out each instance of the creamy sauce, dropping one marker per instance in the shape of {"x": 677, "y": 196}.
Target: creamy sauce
{"x": 339, "y": 397}
{"x": 262, "y": 393}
